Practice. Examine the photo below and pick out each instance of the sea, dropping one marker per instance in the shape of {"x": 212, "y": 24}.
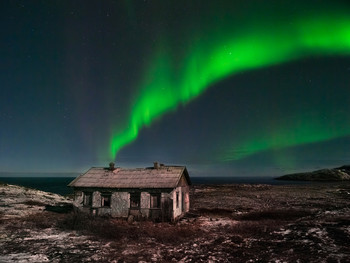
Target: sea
{"x": 58, "y": 182}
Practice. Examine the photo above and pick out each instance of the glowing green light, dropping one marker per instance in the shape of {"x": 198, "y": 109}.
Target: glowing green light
{"x": 308, "y": 131}
{"x": 167, "y": 84}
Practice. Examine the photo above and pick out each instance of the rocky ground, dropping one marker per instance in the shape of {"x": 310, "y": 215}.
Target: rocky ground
{"x": 227, "y": 223}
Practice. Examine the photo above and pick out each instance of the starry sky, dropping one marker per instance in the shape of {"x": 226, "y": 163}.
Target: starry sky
{"x": 227, "y": 88}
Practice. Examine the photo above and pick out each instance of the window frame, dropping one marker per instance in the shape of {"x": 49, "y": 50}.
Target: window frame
{"x": 157, "y": 197}
{"x": 87, "y": 198}
{"x": 177, "y": 199}
{"x": 135, "y": 200}
{"x": 104, "y": 197}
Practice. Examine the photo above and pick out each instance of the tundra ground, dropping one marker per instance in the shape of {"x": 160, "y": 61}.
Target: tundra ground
{"x": 227, "y": 223}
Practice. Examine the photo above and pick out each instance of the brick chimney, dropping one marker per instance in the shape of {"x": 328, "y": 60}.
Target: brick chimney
{"x": 156, "y": 165}
{"x": 111, "y": 166}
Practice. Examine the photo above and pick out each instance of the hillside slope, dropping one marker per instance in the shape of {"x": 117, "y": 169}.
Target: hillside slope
{"x": 336, "y": 174}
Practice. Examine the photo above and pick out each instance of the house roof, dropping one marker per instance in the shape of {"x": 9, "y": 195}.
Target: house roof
{"x": 162, "y": 177}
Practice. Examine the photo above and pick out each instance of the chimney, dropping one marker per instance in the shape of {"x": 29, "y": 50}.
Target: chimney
{"x": 156, "y": 165}
{"x": 111, "y": 166}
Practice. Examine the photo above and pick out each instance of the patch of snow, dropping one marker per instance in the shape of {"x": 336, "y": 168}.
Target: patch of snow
{"x": 317, "y": 231}
{"x": 216, "y": 222}
{"x": 24, "y": 258}
{"x": 331, "y": 212}
{"x": 283, "y": 232}
{"x": 56, "y": 237}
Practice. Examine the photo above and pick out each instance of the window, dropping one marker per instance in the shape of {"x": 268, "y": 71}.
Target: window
{"x": 155, "y": 200}
{"x": 183, "y": 201}
{"x": 105, "y": 200}
{"x": 177, "y": 199}
{"x": 87, "y": 199}
{"x": 134, "y": 200}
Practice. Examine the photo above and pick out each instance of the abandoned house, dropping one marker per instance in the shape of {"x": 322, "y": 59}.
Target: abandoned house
{"x": 159, "y": 193}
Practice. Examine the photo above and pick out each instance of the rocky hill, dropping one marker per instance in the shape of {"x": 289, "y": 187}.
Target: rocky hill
{"x": 17, "y": 201}
{"x": 336, "y": 174}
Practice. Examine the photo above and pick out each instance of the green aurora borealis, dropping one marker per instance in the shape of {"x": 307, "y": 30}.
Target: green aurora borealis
{"x": 172, "y": 79}
{"x": 227, "y": 88}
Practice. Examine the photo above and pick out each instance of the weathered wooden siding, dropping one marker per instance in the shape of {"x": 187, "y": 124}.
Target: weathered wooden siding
{"x": 145, "y": 204}
{"x": 96, "y": 199}
{"x": 186, "y": 191}
{"x": 174, "y": 201}
{"x": 177, "y": 210}
{"x": 78, "y": 198}
{"x": 120, "y": 204}
{"x": 166, "y": 207}
{"x": 181, "y": 199}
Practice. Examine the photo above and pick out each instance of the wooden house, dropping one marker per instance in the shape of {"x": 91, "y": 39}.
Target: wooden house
{"x": 159, "y": 193}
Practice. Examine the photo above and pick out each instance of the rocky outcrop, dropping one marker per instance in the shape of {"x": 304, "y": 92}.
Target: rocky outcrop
{"x": 336, "y": 174}
{"x": 17, "y": 201}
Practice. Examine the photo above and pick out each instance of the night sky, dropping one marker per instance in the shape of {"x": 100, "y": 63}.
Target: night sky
{"x": 227, "y": 88}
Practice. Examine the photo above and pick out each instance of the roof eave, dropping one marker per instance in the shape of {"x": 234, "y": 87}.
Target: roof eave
{"x": 71, "y": 184}
{"x": 187, "y": 176}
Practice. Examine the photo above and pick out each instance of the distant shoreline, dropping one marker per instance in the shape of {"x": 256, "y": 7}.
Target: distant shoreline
{"x": 59, "y": 184}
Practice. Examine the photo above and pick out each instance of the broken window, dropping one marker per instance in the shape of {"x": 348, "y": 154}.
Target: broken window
{"x": 155, "y": 200}
{"x": 105, "y": 200}
{"x": 177, "y": 199}
{"x": 183, "y": 201}
{"x": 88, "y": 198}
{"x": 135, "y": 200}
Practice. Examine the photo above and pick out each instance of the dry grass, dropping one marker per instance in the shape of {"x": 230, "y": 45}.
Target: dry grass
{"x": 112, "y": 229}
{"x": 40, "y": 220}
{"x": 108, "y": 228}
{"x": 167, "y": 233}
{"x": 214, "y": 211}
{"x": 254, "y": 228}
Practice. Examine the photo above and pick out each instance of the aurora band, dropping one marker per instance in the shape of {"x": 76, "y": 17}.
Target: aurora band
{"x": 167, "y": 84}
